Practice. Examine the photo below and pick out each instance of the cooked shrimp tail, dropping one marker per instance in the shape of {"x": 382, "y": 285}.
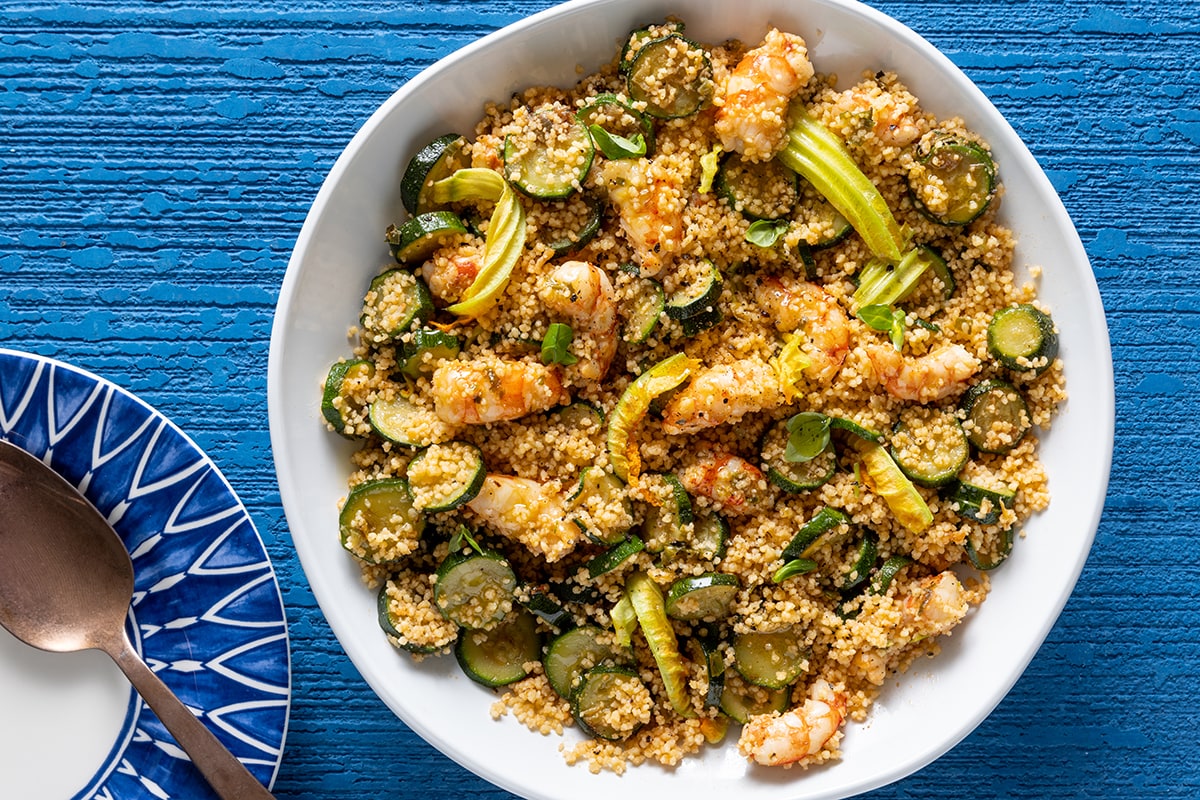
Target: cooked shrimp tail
{"x": 493, "y": 389}
{"x": 774, "y": 740}
{"x": 582, "y": 293}
{"x": 923, "y": 379}
{"x": 752, "y": 119}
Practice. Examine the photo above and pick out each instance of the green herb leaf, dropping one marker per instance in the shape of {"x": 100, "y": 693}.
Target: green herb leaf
{"x": 808, "y": 436}
{"x": 929, "y": 326}
{"x": 792, "y": 568}
{"x": 887, "y": 319}
{"x": 766, "y": 232}
{"x": 614, "y": 146}
{"x": 556, "y": 345}
{"x": 461, "y": 537}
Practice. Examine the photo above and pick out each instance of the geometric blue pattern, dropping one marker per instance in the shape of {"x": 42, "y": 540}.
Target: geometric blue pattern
{"x": 207, "y": 615}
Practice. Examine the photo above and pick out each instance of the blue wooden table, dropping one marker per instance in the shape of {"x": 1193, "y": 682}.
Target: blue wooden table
{"x": 156, "y": 163}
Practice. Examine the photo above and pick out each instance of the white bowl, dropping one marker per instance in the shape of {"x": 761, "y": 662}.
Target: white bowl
{"x": 340, "y": 248}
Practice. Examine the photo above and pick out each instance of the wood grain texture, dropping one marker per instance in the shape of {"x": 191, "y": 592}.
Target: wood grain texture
{"x": 157, "y": 160}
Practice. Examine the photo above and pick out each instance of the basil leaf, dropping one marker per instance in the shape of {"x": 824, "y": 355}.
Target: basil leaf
{"x": 766, "y": 232}
{"x": 797, "y": 566}
{"x": 877, "y": 317}
{"x": 556, "y": 345}
{"x": 808, "y": 436}
{"x": 614, "y": 146}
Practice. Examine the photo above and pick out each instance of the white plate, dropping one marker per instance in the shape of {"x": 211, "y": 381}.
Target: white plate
{"x": 339, "y": 249}
{"x": 206, "y": 615}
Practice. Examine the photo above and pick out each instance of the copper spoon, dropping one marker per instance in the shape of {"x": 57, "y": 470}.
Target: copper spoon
{"x": 66, "y": 583}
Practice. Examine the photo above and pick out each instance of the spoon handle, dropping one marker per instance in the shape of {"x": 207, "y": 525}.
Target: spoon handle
{"x": 228, "y": 777}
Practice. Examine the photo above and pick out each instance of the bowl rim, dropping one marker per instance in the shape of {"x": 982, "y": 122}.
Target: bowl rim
{"x": 1103, "y": 405}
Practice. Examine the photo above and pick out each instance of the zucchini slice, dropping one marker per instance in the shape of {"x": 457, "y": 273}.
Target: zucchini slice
{"x": 757, "y": 189}
{"x": 576, "y": 651}
{"x": 611, "y": 702}
{"x": 929, "y": 445}
{"x": 641, "y": 314}
{"x": 977, "y": 504}
{"x": 396, "y": 301}
{"x": 1023, "y": 338}
{"x": 994, "y": 552}
{"x": 407, "y": 617}
{"x": 707, "y": 596}
{"x": 698, "y": 297}
{"x": 710, "y": 532}
{"x": 436, "y": 160}
{"x": 444, "y": 477}
{"x": 576, "y": 240}
{"x": 953, "y": 179}
{"x": 546, "y": 608}
{"x": 641, "y": 36}
{"x": 706, "y": 648}
{"x": 794, "y": 477}
{"x": 378, "y": 522}
{"x": 340, "y": 384}
{"x": 615, "y": 556}
{"x": 996, "y": 416}
{"x": 672, "y": 76}
{"x": 771, "y": 660}
{"x": 426, "y": 347}
{"x": 615, "y": 115}
{"x": 881, "y": 581}
{"x": 651, "y": 613}
{"x": 415, "y": 240}
{"x": 852, "y": 427}
{"x": 600, "y": 506}
{"x": 550, "y": 157}
{"x": 741, "y": 701}
{"x": 475, "y": 590}
{"x": 667, "y": 523}
{"x": 863, "y": 563}
{"x": 402, "y": 422}
{"x": 824, "y": 526}
{"x": 497, "y": 656}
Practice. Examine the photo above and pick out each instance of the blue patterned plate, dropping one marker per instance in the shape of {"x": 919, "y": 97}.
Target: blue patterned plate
{"x": 207, "y": 615}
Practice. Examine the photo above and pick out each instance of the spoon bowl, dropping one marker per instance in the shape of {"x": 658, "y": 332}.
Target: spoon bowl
{"x": 66, "y": 583}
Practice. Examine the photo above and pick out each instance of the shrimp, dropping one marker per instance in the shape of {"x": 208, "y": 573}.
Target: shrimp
{"x": 933, "y": 606}
{"x": 493, "y": 389}
{"x": 448, "y": 276}
{"x": 529, "y": 512}
{"x": 649, "y": 202}
{"x": 777, "y": 739}
{"x": 753, "y": 117}
{"x": 722, "y": 393}
{"x": 799, "y": 305}
{"x": 923, "y": 379}
{"x": 738, "y": 485}
{"x": 583, "y": 293}
{"x": 893, "y": 122}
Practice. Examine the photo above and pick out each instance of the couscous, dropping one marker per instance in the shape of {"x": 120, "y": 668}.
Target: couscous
{"x": 701, "y": 399}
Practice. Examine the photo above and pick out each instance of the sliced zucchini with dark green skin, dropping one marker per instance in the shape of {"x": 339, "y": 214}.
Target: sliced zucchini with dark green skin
{"x": 601, "y": 491}
{"x": 852, "y": 427}
{"x": 641, "y": 36}
{"x": 881, "y": 581}
{"x": 615, "y": 115}
{"x": 996, "y": 416}
{"x": 993, "y": 556}
{"x": 426, "y": 347}
{"x": 546, "y": 608}
{"x": 771, "y": 660}
{"x": 672, "y": 76}
{"x": 447, "y": 476}
{"x": 823, "y": 225}
{"x": 794, "y": 477}
{"x": 665, "y": 524}
{"x": 1023, "y": 338}
{"x": 615, "y": 556}
{"x": 757, "y": 189}
{"x": 342, "y": 377}
{"x": 395, "y": 302}
{"x": 697, "y": 297}
{"x": 706, "y": 596}
{"x": 698, "y": 323}
{"x": 929, "y": 445}
{"x": 475, "y": 590}
{"x": 741, "y": 702}
{"x": 863, "y": 563}
{"x": 706, "y": 648}
{"x": 816, "y": 533}
{"x": 497, "y": 656}
{"x": 400, "y": 421}
{"x": 977, "y": 504}
{"x": 579, "y": 239}
{"x": 378, "y": 522}
{"x": 426, "y": 638}
{"x": 550, "y": 158}
{"x": 710, "y": 532}
{"x": 640, "y": 316}
{"x": 413, "y": 241}
{"x": 953, "y": 180}
{"x": 601, "y": 703}
{"x": 797, "y": 566}
{"x": 574, "y": 652}
{"x": 436, "y": 160}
